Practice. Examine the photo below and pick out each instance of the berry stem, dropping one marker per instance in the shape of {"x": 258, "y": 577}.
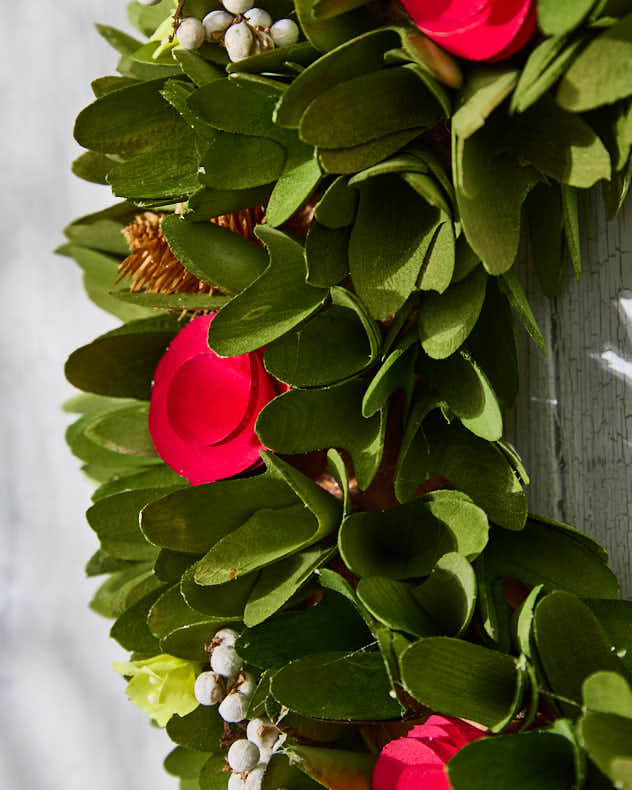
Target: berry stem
{"x": 176, "y": 19}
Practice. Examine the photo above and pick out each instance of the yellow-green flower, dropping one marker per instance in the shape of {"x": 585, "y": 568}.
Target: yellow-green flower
{"x": 161, "y": 686}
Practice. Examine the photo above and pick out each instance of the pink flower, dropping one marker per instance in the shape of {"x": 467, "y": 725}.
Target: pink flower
{"x": 203, "y": 407}
{"x": 476, "y": 29}
{"x": 417, "y": 762}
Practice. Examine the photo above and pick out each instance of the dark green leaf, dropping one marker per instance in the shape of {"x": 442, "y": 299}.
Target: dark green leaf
{"x": 185, "y": 763}
{"x": 131, "y": 631}
{"x": 326, "y": 254}
{"x": 92, "y": 167}
{"x": 359, "y": 157}
{"x": 237, "y": 161}
{"x": 327, "y": 34}
{"x": 199, "y": 731}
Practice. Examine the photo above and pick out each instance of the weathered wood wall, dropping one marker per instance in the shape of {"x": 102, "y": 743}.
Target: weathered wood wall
{"x": 572, "y": 422}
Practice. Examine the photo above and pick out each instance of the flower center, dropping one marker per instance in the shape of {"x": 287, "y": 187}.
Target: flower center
{"x": 211, "y": 399}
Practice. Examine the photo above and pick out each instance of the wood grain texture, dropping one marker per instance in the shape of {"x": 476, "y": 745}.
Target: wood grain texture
{"x": 572, "y": 423}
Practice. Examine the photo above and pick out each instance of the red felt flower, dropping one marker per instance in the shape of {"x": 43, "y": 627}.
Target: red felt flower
{"x": 203, "y": 407}
{"x": 476, "y": 29}
{"x": 417, "y": 762}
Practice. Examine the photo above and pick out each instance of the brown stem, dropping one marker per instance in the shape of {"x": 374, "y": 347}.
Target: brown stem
{"x": 176, "y": 19}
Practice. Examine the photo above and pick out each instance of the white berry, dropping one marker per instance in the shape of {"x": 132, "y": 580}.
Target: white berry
{"x": 238, "y": 41}
{"x": 262, "y": 733}
{"x": 149, "y": 2}
{"x": 234, "y": 707}
{"x": 235, "y": 782}
{"x": 226, "y": 637}
{"x": 258, "y": 17}
{"x": 243, "y": 756}
{"x": 254, "y": 780}
{"x": 191, "y": 33}
{"x": 215, "y": 24}
{"x": 247, "y": 684}
{"x": 237, "y": 6}
{"x": 208, "y": 690}
{"x": 225, "y": 661}
{"x": 284, "y": 32}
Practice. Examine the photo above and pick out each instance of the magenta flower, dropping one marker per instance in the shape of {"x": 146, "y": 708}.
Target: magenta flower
{"x": 203, "y": 407}
{"x": 476, "y": 29}
{"x": 417, "y": 761}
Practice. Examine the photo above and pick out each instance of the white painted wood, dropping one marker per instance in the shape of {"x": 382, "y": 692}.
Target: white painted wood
{"x": 572, "y": 423}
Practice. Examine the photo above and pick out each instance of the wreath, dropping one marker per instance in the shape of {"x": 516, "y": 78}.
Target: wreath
{"x": 315, "y": 541}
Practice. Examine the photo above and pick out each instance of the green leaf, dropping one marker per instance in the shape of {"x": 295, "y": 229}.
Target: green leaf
{"x": 570, "y": 214}
{"x": 130, "y": 629}
{"x": 391, "y": 235}
{"x": 275, "y": 303}
{"x": 238, "y": 161}
{"x": 337, "y": 207}
{"x": 171, "y": 565}
{"x": 123, "y": 431}
{"x": 571, "y": 643}
{"x": 104, "y": 85}
{"x": 184, "y": 763}
{"x": 333, "y": 624}
{"x": 602, "y": 73}
{"x": 123, "y": 589}
{"x": 607, "y": 692}
{"x": 214, "y": 254}
{"x": 103, "y": 229}
{"x": 556, "y": 18}
{"x": 115, "y": 520}
{"x": 224, "y": 601}
{"x": 129, "y": 121}
{"x": 458, "y": 678}
{"x": 303, "y": 420}
{"x": 396, "y": 372}
{"x": 300, "y": 177}
{"x": 277, "y": 60}
{"x": 467, "y": 522}
{"x": 272, "y": 534}
{"x": 486, "y": 88}
{"x": 615, "y": 617}
{"x": 344, "y": 115}
{"x": 212, "y": 774}
{"x": 326, "y": 255}
{"x": 561, "y": 145}
{"x": 445, "y": 320}
{"x": 328, "y": 34}
{"x": 178, "y": 301}
{"x": 538, "y": 760}
{"x": 208, "y": 202}
{"x": 160, "y": 174}
{"x": 479, "y": 469}
{"x": 544, "y": 208}
{"x": 92, "y": 167}
{"x": 352, "y": 58}
{"x": 511, "y": 286}
{"x": 440, "y": 259}
{"x": 394, "y": 604}
{"x": 122, "y": 363}
{"x": 359, "y": 157}
{"x": 120, "y": 41}
{"x": 413, "y": 459}
{"x": 338, "y": 343}
{"x": 101, "y": 562}
{"x": 336, "y": 686}
{"x": 606, "y": 738}
{"x": 332, "y": 768}
{"x": 199, "y": 731}
{"x": 199, "y": 71}
{"x": 156, "y": 476}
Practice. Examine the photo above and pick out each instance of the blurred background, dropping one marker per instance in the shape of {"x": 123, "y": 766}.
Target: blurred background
{"x": 65, "y": 723}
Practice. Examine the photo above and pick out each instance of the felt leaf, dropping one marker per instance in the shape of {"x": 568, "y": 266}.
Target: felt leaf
{"x": 123, "y": 431}
{"x": 573, "y": 154}
{"x": 170, "y": 566}
{"x": 107, "y": 461}
{"x": 303, "y": 420}
{"x": 392, "y": 543}
{"x": 344, "y": 115}
{"x": 279, "y": 582}
{"x": 300, "y": 177}
{"x": 277, "y": 60}
{"x": 393, "y": 603}
{"x": 556, "y": 18}
{"x": 337, "y": 207}
{"x": 214, "y": 254}
{"x": 171, "y": 612}
{"x": 129, "y": 121}
{"x": 445, "y": 320}
{"x": 101, "y": 562}
{"x": 606, "y": 738}
{"x": 104, "y": 85}
{"x": 272, "y": 534}
{"x": 396, "y": 372}
{"x": 179, "y": 301}
{"x": 479, "y": 469}
{"x": 414, "y": 454}
{"x": 485, "y": 89}
{"x": 122, "y": 589}
{"x": 490, "y": 210}
{"x": 571, "y": 643}
{"x": 119, "y": 40}
{"x": 359, "y": 157}
{"x": 207, "y": 202}
{"x": 538, "y": 760}
{"x": 607, "y": 692}
{"x": 330, "y": 33}
{"x": 430, "y": 56}
{"x": 199, "y": 71}
{"x": 163, "y": 173}
{"x": 224, "y": 601}
{"x": 184, "y": 763}
{"x": 92, "y": 167}
{"x": 545, "y": 65}
{"x": 181, "y": 521}
{"x": 439, "y": 262}
{"x": 212, "y": 774}
{"x": 276, "y": 302}
{"x": 614, "y": 617}
{"x": 492, "y": 344}
{"x": 239, "y": 161}
{"x": 158, "y": 476}
{"x": 333, "y": 623}
{"x": 401, "y": 163}
{"x": 570, "y": 214}
{"x": 199, "y": 731}
{"x": 449, "y": 594}
{"x": 511, "y": 286}
{"x": 332, "y": 768}
{"x": 130, "y": 629}
{"x": 350, "y": 59}
{"x": 544, "y": 208}
{"x": 467, "y": 391}
{"x": 326, "y": 255}
{"x": 335, "y": 685}
{"x": 462, "y": 679}
{"x": 602, "y": 73}
{"x": 102, "y": 230}
{"x": 388, "y": 243}
{"x": 121, "y": 363}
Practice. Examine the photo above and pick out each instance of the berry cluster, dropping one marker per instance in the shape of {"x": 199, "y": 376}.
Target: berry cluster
{"x": 243, "y": 29}
{"x": 229, "y": 686}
